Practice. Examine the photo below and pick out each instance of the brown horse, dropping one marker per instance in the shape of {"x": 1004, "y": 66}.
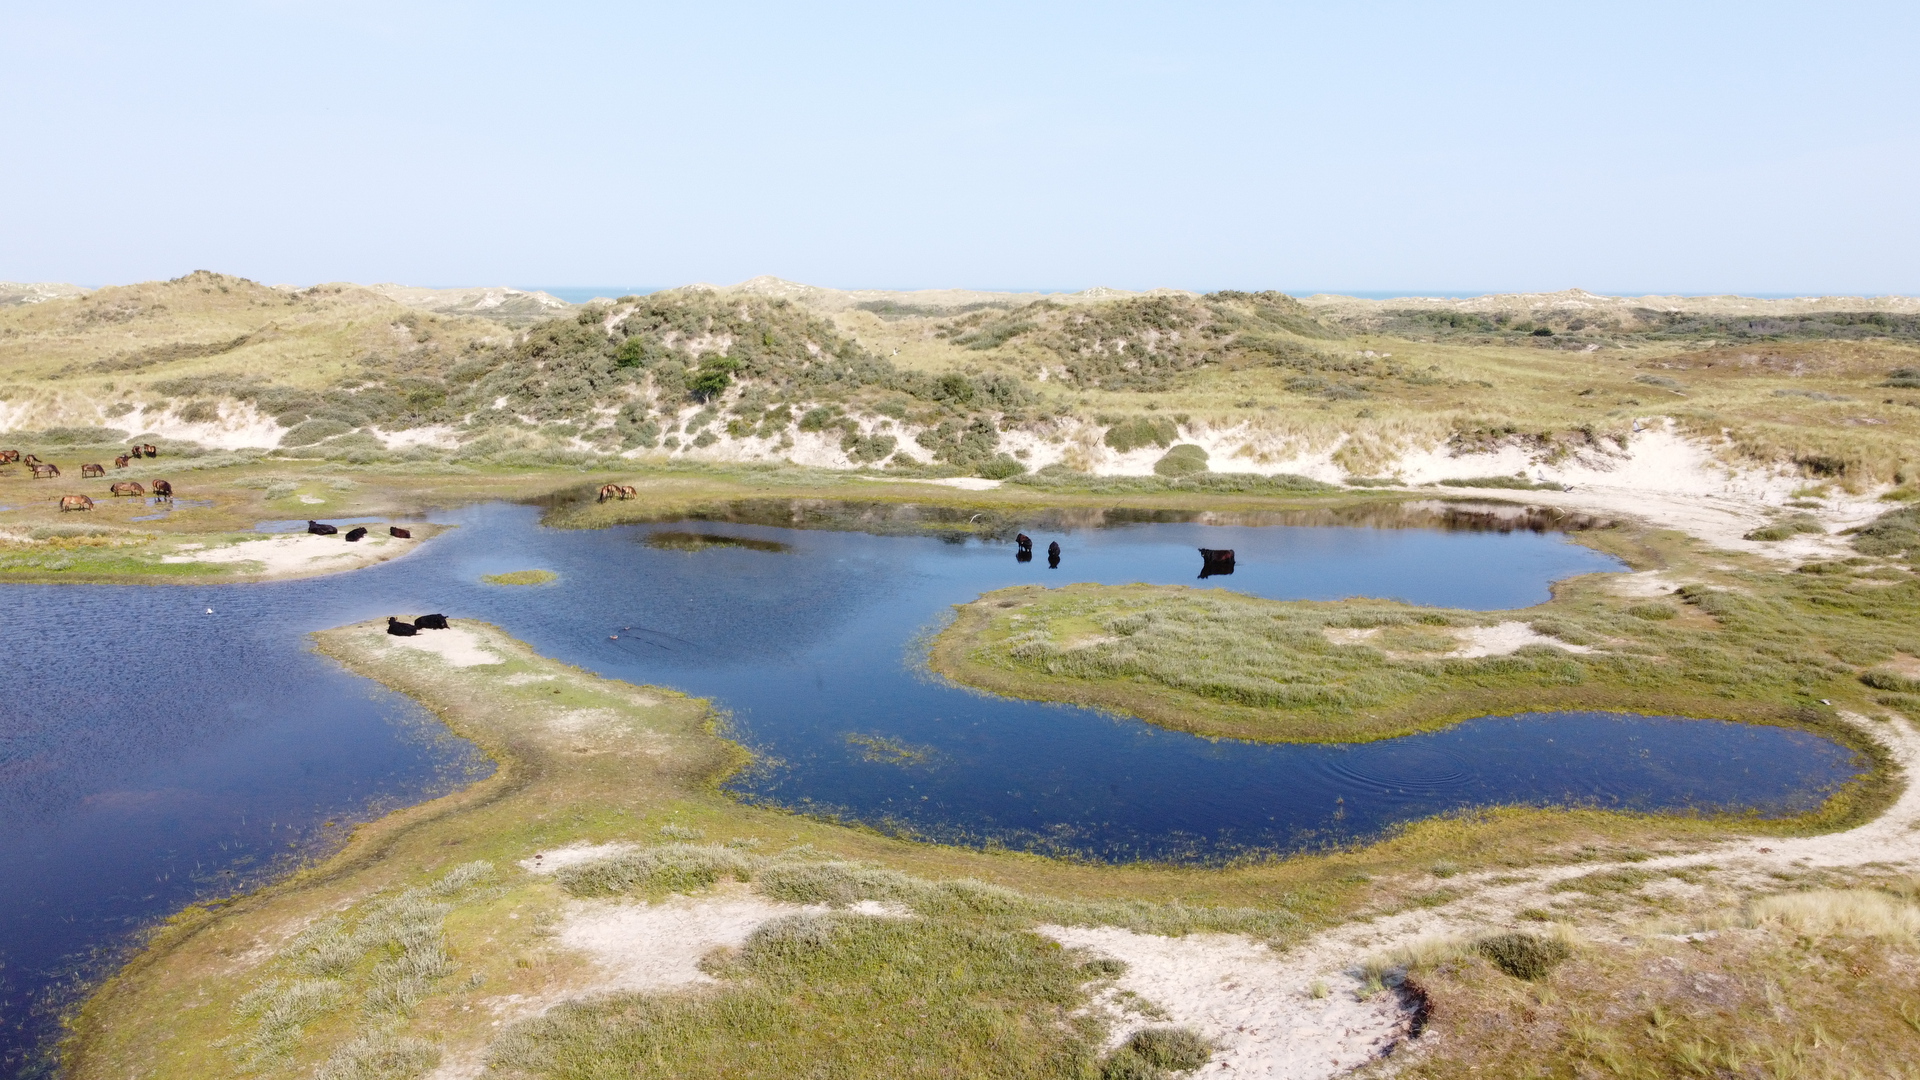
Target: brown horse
{"x": 609, "y": 491}
{"x": 92, "y": 470}
{"x": 75, "y": 502}
{"x": 121, "y": 461}
{"x": 29, "y": 460}
{"x": 45, "y": 471}
{"x": 8, "y": 457}
{"x": 163, "y": 489}
{"x": 150, "y": 450}
{"x": 127, "y": 487}
{"x": 627, "y": 491}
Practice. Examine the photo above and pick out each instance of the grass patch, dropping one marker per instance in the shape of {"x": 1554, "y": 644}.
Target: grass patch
{"x": 521, "y": 577}
{"x": 1508, "y": 483}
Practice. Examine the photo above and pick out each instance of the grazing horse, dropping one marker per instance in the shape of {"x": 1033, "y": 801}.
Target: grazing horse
{"x": 400, "y": 629}
{"x": 8, "y": 457}
{"x": 150, "y": 450}
{"x": 609, "y": 491}
{"x": 127, "y": 487}
{"x": 92, "y": 470}
{"x": 45, "y": 471}
{"x": 75, "y": 502}
{"x": 163, "y": 489}
{"x": 628, "y": 491}
{"x": 397, "y": 531}
{"x": 354, "y": 534}
{"x": 121, "y": 461}
{"x": 30, "y": 460}
{"x": 431, "y": 622}
{"x": 321, "y": 528}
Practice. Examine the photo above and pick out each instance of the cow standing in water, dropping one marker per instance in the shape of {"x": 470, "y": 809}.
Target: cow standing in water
{"x": 1215, "y": 561}
{"x": 1053, "y": 555}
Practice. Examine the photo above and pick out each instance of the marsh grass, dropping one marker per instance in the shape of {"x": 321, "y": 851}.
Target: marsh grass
{"x": 693, "y": 541}
{"x": 521, "y": 577}
{"x": 836, "y": 995}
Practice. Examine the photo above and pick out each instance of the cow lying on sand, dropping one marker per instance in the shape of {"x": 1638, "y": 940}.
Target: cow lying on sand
{"x": 321, "y": 528}
{"x": 400, "y": 629}
{"x": 431, "y": 622}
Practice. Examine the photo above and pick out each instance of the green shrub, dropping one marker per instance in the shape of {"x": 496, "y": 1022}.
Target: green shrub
{"x": 1183, "y": 460}
{"x": 1152, "y": 1053}
{"x": 308, "y": 432}
{"x": 1139, "y": 431}
{"x": 1000, "y": 467}
{"x": 1524, "y": 956}
{"x": 1882, "y": 679}
{"x": 1786, "y": 530}
{"x": 1652, "y": 612}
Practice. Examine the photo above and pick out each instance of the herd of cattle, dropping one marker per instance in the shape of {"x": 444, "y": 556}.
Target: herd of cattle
{"x": 399, "y": 628}
{"x": 357, "y": 533}
{"x": 47, "y": 470}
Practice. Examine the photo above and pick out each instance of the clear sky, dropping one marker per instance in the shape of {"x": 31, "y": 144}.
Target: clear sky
{"x": 1687, "y": 147}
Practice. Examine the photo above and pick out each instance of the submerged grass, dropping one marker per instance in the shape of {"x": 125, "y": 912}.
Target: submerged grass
{"x": 521, "y": 577}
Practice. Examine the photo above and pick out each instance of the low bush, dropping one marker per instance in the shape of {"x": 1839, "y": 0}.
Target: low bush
{"x": 1524, "y": 956}
{"x": 1183, "y": 460}
{"x": 1139, "y": 431}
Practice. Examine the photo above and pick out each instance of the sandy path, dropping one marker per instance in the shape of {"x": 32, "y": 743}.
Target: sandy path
{"x": 298, "y": 554}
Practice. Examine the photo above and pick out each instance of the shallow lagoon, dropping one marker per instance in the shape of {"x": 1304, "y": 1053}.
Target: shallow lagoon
{"x": 151, "y": 753}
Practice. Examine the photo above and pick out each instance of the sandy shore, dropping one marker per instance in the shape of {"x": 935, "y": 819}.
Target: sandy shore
{"x": 297, "y": 555}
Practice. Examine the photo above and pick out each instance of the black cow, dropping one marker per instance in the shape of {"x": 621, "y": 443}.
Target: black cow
{"x": 1025, "y": 542}
{"x": 355, "y": 534}
{"x": 1215, "y": 561}
{"x": 431, "y": 622}
{"x": 1053, "y": 555}
{"x": 395, "y": 530}
{"x": 321, "y": 528}
{"x": 400, "y": 629}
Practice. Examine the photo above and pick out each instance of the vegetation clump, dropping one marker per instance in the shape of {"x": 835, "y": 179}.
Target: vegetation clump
{"x": 521, "y": 577}
{"x": 1524, "y": 956}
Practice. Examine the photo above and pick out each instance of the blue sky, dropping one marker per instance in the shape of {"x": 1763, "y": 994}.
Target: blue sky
{"x": 1702, "y": 147}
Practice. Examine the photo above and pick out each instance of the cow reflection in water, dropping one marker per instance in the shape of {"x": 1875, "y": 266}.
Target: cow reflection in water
{"x": 1215, "y": 561}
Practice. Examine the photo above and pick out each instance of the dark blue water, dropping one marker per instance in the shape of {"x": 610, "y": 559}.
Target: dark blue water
{"x": 151, "y": 753}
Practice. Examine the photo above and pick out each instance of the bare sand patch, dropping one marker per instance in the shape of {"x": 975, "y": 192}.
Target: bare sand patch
{"x": 456, "y": 645}
{"x": 1475, "y": 641}
{"x": 1255, "y": 1006}
{"x": 300, "y": 554}
{"x": 638, "y": 946}
{"x": 1503, "y": 638}
{"x": 546, "y": 862}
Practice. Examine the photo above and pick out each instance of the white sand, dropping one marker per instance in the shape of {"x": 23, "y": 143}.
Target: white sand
{"x": 1475, "y": 641}
{"x": 659, "y": 946}
{"x": 456, "y": 645}
{"x": 294, "y": 555}
{"x": 1255, "y": 1006}
{"x": 546, "y": 862}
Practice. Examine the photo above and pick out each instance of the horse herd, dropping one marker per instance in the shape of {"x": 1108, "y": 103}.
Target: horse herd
{"x": 47, "y": 470}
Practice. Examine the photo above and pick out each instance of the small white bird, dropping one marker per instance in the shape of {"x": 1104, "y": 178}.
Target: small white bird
{"x": 209, "y": 611}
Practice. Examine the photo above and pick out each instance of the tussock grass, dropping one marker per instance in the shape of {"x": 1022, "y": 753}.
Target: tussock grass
{"x": 1840, "y": 912}
{"x": 836, "y": 995}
